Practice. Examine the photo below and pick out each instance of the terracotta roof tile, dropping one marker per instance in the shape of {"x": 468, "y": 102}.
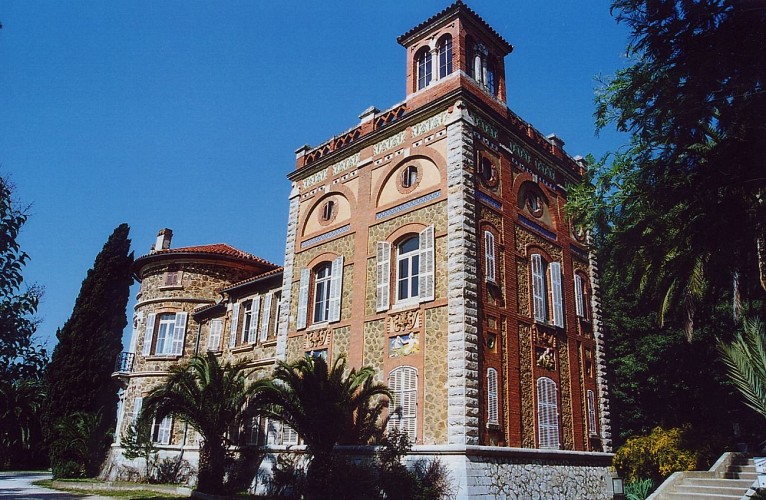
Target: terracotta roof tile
{"x": 254, "y": 279}
{"x": 215, "y": 249}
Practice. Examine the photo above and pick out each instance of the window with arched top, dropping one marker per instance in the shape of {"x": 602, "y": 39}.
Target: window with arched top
{"x": 409, "y": 176}
{"x": 403, "y": 384}
{"x": 324, "y": 282}
{"x": 547, "y": 296}
{"x": 591, "y": 403}
{"x": 490, "y": 81}
{"x": 547, "y": 414}
{"x": 444, "y": 49}
{"x": 490, "y": 260}
{"x": 413, "y": 276}
{"x": 424, "y": 68}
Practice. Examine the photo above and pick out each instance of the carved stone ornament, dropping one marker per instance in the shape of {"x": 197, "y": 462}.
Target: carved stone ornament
{"x": 545, "y": 358}
{"x": 404, "y": 321}
{"x": 545, "y": 338}
{"x": 316, "y": 339}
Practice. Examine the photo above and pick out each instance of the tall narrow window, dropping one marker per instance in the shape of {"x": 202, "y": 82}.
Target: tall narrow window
{"x": 214, "y": 340}
{"x": 547, "y": 296}
{"x": 165, "y": 334}
{"x": 539, "y": 295}
{"x": 328, "y": 210}
{"x": 161, "y": 430}
{"x": 408, "y": 266}
{"x": 581, "y": 304}
{"x": 547, "y": 414}
{"x": 247, "y": 320}
{"x": 492, "y": 400}
{"x": 403, "y": 383}
{"x": 424, "y": 69}
{"x": 489, "y": 257}
{"x": 490, "y": 83}
{"x": 445, "y": 56}
{"x": 557, "y": 300}
{"x": 591, "y": 412}
{"x": 322, "y": 293}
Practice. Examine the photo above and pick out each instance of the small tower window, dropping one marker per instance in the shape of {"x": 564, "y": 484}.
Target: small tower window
{"x": 409, "y": 176}
{"x": 328, "y": 210}
{"x": 445, "y": 56}
{"x": 424, "y": 69}
{"x": 490, "y": 83}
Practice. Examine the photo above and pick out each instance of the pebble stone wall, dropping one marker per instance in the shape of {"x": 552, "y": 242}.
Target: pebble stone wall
{"x": 435, "y": 397}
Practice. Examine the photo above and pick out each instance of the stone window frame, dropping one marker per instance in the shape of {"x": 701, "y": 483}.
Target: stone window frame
{"x": 488, "y": 172}
{"x": 328, "y": 211}
{"x": 177, "y": 340}
{"x": 172, "y": 279}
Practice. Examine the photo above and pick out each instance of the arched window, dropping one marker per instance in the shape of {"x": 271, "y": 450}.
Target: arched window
{"x": 407, "y": 268}
{"x": 547, "y": 298}
{"x": 547, "y": 414}
{"x": 322, "y": 277}
{"x": 445, "y": 56}
{"x": 328, "y": 210}
{"x": 424, "y": 68}
{"x": 326, "y": 282}
{"x": 492, "y": 400}
{"x": 490, "y": 80}
{"x": 403, "y": 384}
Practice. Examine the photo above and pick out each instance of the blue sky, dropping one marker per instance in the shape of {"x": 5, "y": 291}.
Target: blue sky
{"x": 186, "y": 114}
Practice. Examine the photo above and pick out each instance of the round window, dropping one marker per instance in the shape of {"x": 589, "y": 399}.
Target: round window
{"x": 535, "y": 204}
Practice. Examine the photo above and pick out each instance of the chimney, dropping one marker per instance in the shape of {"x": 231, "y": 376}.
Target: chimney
{"x": 163, "y": 239}
{"x": 556, "y": 141}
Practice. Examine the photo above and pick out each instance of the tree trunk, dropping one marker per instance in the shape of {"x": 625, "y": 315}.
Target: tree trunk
{"x": 212, "y": 459}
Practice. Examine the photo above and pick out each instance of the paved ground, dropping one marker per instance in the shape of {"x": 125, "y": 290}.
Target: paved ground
{"x": 18, "y": 486}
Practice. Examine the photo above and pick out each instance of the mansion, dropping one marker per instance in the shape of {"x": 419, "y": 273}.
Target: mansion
{"x": 429, "y": 241}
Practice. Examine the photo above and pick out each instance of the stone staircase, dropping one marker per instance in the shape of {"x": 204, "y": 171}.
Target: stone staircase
{"x": 729, "y": 478}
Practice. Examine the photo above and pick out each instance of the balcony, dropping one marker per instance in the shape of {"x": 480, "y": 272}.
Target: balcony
{"x": 124, "y": 364}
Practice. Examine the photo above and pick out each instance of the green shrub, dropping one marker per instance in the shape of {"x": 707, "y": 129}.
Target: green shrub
{"x": 639, "y": 489}
{"x": 655, "y": 456}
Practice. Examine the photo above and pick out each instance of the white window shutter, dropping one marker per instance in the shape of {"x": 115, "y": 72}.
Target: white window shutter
{"x": 179, "y": 332}
{"x": 148, "y": 334}
{"x": 492, "y": 400}
{"x": 383, "y": 255}
{"x": 557, "y": 298}
{"x": 489, "y": 257}
{"x": 591, "y": 412}
{"x": 336, "y": 289}
{"x": 289, "y": 436}
{"x": 538, "y": 288}
{"x": 136, "y": 412}
{"x": 234, "y": 323}
{"x": 426, "y": 271}
{"x": 547, "y": 413}
{"x": 266, "y": 317}
{"x": 403, "y": 383}
{"x": 255, "y": 309}
{"x": 214, "y": 340}
{"x": 579, "y": 304}
{"x": 303, "y": 298}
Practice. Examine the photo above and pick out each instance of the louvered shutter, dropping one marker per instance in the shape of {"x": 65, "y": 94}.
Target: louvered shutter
{"x": 492, "y": 401}
{"x": 426, "y": 271}
{"x": 255, "y": 309}
{"x": 383, "y": 256}
{"x": 179, "y": 332}
{"x": 149, "y": 333}
{"x": 138, "y": 319}
{"x": 579, "y": 304}
{"x": 136, "y": 412}
{"x": 234, "y": 324}
{"x": 547, "y": 414}
{"x": 289, "y": 436}
{"x": 489, "y": 257}
{"x": 557, "y": 298}
{"x": 591, "y": 412}
{"x": 403, "y": 383}
{"x": 336, "y": 289}
{"x": 538, "y": 288}
{"x": 266, "y": 316}
{"x": 303, "y": 298}
{"x": 163, "y": 430}
{"x": 214, "y": 340}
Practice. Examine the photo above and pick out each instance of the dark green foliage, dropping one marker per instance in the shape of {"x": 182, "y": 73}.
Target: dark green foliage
{"x": 79, "y": 374}
{"x": 137, "y": 442}
{"x": 639, "y": 489}
{"x": 77, "y": 445}
{"x": 210, "y": 397}
{"x": 22, "y": 361}
{"x": 745, "y": 359}
{"x": 323, "y": 404}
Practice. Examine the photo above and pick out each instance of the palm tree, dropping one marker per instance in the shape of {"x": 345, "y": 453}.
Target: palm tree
{"x": 322, "y": 404}
{"x": 745, "y": 359}
{"x": 210, "y": 397}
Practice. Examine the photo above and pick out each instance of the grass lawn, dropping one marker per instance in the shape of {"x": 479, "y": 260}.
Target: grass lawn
{"x": 116, "y": 490}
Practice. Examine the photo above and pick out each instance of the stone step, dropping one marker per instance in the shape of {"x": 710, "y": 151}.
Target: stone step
{"x": 700, "y": 496}
{"x": 750, "y": 476}
{"x": 737, "y": 491}
{"x": 720, "y": 482}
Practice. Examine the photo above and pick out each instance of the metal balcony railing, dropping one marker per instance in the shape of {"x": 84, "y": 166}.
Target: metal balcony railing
{"x": 124, "y": 362}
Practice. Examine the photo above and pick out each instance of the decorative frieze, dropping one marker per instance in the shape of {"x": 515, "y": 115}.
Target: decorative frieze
{"x": 403, "y": 322}
{"x": 316, "y": 339}
{"x": 389, "y": 143}
{"x": 408, "y": 205}
{"x": 429, "y": 124}
{"x": 345, "y": 164}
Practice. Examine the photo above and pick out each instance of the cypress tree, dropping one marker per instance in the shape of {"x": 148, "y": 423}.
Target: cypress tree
{"x": 79, "y": 374}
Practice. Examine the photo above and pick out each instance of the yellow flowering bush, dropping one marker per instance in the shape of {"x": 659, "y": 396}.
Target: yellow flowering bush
{"x": 655, "y": 456}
